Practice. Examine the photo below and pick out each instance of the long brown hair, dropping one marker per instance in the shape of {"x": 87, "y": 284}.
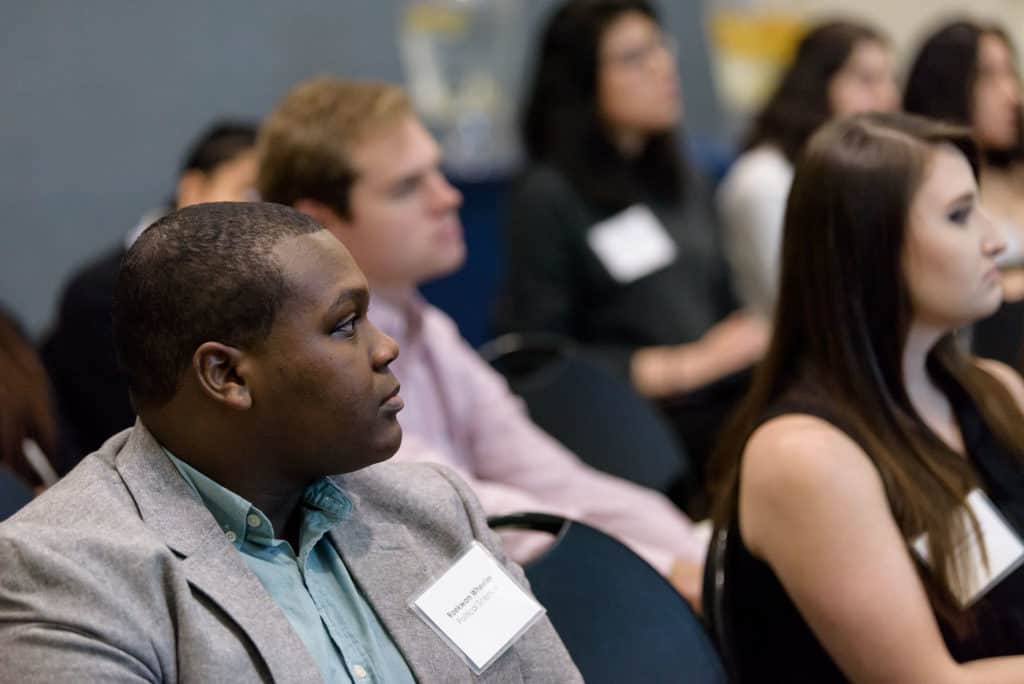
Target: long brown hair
{"x": 842, "y": 323}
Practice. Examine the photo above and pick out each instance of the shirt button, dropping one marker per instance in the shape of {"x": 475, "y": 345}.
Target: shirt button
{"x": 231, "y": 536}
{"x": 253, "y": 520}
{"x": 359, "y": 671}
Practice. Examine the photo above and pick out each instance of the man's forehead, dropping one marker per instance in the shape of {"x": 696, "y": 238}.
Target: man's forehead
{"x": 318, "y": 264}
{"x": 392, "y": 151}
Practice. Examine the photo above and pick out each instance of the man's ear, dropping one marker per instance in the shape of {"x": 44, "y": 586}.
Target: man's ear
{"x": 324, "y": 215}
{"x": 191, "y": 188}
{"x": 223, "y": 374}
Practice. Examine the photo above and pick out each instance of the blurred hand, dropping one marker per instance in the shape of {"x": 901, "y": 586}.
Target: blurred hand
{"x": 1013, "y": 284}
{"x": 687, "y": 577}
{"x": 737, "y": 341}
{"x": 731, "y": 345}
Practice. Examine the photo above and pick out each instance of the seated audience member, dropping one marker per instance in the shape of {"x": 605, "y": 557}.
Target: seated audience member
{"x": 213, "y": 541}
{"x": 92, "y": 391}
{"x": 354, "y": 156}
{"x": 840, "y": 68}
{"x": 966, "y": 73}
{"x": 28, "y": 420}
{"x": 871, "y": 445}
{"x": 610, "y": 237}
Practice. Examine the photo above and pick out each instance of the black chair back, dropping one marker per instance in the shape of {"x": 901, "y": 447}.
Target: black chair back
{"x": 595, "y": 414}
{"x": 620, "y": 620}
{"x": 13, "y": 493}
{"x": 713, "y": 596}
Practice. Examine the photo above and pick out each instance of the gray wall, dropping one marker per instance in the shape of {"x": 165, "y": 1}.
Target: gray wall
{"x": 100, "y": 99}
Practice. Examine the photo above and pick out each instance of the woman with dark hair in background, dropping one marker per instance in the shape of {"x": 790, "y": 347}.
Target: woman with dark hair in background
{"x": 846, "y": 476}
{"x": 840, "y": 68}
{"x": 966, "y": 73}
{"x": 610, "y": 238}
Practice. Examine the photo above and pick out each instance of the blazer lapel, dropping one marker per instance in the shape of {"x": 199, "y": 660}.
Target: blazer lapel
{"x": 388, "y": 571}
{"x": 212, "y": 564}
{"x": 219, "y": 571}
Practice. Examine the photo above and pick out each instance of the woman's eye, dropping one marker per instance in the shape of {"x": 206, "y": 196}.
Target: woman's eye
{"x": 960, "y": 216}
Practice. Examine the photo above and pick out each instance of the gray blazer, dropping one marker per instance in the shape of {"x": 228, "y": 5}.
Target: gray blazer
{"x": 119, "y": 573}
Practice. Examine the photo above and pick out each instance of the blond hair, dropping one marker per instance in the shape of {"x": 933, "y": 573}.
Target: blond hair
{"x": 305, "y": 145}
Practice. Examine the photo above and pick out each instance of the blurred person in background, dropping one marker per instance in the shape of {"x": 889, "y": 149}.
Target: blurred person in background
{"x": 966, "y": 73}
{"x": 91, "y": 388}
{"x": 840, "y": 68}
{"x": 610, "y": 237}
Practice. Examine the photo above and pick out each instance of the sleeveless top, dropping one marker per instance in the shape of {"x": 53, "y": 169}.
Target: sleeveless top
{"x": 768, "y": 639}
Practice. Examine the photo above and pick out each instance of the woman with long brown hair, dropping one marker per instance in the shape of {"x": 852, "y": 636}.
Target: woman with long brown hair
{"x": 871, "y": 446}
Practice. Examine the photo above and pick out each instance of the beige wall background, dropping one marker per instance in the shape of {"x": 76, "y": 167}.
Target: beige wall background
{"x": 750, "y": 40}
{"x": 907, "y": 21}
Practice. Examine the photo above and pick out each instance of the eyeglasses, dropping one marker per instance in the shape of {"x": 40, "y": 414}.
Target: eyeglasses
{"x": 638, "y": 56}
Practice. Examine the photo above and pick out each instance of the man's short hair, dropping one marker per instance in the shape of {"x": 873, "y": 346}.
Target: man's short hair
{"x": 202, "y": 273}
{"x": 306, "y": 142}
{"x": 220, "y": 142}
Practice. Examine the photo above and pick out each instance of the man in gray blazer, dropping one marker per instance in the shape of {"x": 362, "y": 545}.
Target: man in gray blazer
{"x": 213, "y": 541}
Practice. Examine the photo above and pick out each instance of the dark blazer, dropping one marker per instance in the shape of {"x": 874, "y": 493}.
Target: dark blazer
{"x": 91, "y": 389}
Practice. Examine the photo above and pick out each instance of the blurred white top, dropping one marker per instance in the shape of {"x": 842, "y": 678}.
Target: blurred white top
{"x": 752, "y": 204}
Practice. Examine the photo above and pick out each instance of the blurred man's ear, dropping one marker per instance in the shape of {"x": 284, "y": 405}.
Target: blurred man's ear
{"x": 324, "y": 215}
{"x": 191, "y": 188}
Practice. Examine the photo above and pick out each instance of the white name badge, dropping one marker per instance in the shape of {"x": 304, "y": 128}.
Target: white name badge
{"x": 477, "y": 608}
{"x": 632, "y": 244}
{"x": 1003, "y": 546}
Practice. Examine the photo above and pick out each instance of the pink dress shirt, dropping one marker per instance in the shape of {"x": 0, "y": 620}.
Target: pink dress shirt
{"x": 460, "y": 412}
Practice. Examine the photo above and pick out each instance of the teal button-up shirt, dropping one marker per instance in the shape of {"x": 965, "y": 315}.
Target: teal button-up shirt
{"x": 314, "y": 588}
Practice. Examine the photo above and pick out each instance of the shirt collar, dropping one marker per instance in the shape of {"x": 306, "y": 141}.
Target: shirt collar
{"x": 326, "y": 505}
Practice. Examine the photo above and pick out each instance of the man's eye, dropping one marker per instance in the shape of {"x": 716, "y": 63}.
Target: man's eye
{"x": 346, "y": 328}
{"x": 405, "y": 188}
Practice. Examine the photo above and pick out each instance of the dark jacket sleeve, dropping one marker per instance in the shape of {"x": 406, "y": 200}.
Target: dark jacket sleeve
{"x": 91, "y": 388}
{"x": 541, "y": 261}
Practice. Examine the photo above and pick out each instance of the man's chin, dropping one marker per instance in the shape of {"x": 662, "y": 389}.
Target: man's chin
{"x": 447, "y": 265}
{"x": 372, "y": 454}
{"x": 386, "y": 449}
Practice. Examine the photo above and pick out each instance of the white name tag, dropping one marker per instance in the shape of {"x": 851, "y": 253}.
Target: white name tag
{"x": 477, "y": 608}
{"x": 1003, "y": 546}
{"x": 632, "y": 244}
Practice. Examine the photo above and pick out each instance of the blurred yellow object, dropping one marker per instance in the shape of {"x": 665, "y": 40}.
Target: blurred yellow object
{"x": 436, "y": 18}
{"x": 751, "y": 49}
{"x": 769, "y": 36}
